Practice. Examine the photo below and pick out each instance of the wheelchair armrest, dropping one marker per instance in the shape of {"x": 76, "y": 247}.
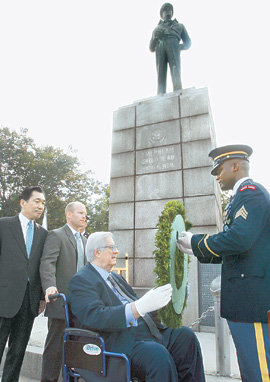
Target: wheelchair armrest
{"x": 81, "y": 332}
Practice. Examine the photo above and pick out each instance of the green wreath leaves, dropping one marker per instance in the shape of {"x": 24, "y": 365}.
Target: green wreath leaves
{"x": 162, "y": 258}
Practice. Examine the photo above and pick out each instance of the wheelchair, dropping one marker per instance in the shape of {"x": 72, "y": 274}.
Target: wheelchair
{"x": 85, "y": 357}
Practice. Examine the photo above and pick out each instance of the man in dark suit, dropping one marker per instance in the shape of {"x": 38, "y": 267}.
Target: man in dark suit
{"x": 103, "y": 301}
{"x": 21, "y": 245}
{"x": 243, "y": 248}
{"x": 62, "y": 257}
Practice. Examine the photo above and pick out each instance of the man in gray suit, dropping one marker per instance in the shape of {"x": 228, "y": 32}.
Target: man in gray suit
{"x": 21, "y": 245}
{"x": 62, "y": 257}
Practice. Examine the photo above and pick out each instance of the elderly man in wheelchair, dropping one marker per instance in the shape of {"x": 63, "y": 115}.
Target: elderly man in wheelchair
{"x": 104, "y": 302}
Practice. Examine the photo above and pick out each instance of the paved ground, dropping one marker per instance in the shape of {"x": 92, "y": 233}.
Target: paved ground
{"x": 209, "y": 378}
{"x": 32, "y": 364}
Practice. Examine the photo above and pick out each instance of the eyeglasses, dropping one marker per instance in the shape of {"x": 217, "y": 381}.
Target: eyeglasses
{"x": 112, "y": 247}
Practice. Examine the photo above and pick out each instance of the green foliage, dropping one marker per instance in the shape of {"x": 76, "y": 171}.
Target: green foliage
{"x": 162, "y": 257}
{"x": 23, "y": 163}
{"x": 99, "y": 211}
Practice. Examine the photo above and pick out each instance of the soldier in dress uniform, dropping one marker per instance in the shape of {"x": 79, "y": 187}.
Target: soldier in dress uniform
{"x": 243, "y": 248}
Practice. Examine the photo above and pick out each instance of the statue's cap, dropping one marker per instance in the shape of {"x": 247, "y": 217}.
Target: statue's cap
{"x": 164, "y": 6}
{"x": 220, "y": 154}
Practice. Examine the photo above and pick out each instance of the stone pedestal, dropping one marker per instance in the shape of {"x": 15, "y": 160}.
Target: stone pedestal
{"x": 160, "y": 152}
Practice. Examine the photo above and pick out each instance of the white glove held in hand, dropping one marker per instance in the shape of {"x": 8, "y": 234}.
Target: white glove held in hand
{"x": 184, "y": 243}
{"x": 154, "y": 299}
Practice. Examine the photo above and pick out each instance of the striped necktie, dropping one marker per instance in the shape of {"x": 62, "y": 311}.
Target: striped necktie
{"x": 147, "y": 318}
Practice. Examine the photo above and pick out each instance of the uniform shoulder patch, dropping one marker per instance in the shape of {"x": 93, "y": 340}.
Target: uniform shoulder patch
{"x": 242, "y": 212}
{"x": 248, "y": 187}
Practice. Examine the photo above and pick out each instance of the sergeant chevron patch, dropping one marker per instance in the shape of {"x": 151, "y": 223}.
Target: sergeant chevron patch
{"x": 242, "y": 212}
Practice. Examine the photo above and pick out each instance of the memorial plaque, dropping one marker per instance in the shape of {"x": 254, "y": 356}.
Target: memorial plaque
{"x": 158, "y": 159}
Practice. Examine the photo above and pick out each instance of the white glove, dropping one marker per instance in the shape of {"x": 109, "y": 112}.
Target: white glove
{"x": 154, "y": 299}
{"x": 184, "y": 243}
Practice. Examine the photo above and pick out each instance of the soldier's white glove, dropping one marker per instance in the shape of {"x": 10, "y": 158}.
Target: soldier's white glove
{"x": 184, "y": 243}
{"x": 155, "y": 299}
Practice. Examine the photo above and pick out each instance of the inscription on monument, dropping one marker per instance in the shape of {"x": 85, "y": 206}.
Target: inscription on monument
{"x": 158, "y": 159}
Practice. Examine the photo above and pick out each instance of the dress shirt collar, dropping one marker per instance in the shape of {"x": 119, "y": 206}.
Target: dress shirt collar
{"x": 103, "y": 273}
{"x": 237, "y": 184}
{"x": 24, "y": 220}
{"x": 72, "y": 229}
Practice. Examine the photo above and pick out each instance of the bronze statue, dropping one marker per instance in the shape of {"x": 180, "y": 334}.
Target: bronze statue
{"x": 166, "y": 42}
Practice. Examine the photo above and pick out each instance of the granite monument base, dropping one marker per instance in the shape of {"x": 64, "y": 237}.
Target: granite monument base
{"x": 160, "y": 152}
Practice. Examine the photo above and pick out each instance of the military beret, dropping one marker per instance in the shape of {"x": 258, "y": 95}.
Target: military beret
{"x": 220, "y": 154}
{"x": 164, "y": 6}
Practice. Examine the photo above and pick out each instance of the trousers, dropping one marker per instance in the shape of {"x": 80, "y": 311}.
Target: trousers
{"x": 179, "y": 360}
{"x": 253, "y": 351}
{"x": 168, "y": 52}
{"x": 52, "y": 355}
{"x": 17, "y": 331}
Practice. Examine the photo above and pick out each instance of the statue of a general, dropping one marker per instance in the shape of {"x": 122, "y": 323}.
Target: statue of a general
{"x": 168, "y": 39}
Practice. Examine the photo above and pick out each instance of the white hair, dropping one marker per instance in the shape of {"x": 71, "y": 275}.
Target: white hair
{"x": 95, "y": 241}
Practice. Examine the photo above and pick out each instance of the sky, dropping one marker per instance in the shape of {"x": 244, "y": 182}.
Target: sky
{"x": 66, "y": 65}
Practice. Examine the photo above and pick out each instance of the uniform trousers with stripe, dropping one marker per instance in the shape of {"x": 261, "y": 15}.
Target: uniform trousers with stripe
{"x": 253, "y": 351}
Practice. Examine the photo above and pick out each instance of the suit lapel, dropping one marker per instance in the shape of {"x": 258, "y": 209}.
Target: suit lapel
{"x": 70, "y": 236}
{"x": 35, "y": 239}
{"x": 16, "y": 229}
{"x": 72, "y": 239}
{"x": 111, "y": 293}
